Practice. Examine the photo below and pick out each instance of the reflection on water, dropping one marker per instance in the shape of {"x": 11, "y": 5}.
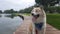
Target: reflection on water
{"x": 10, "y": 16}
{"x": 9, "y": 25}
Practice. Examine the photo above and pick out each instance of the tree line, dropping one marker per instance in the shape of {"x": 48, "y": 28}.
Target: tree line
{"x": 52, "y": 9}
{"x": 8, "y": 11}
{"x": 26, "y": 10}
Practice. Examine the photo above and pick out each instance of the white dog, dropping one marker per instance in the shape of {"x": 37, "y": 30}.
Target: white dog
{"x": 39, "y": 20}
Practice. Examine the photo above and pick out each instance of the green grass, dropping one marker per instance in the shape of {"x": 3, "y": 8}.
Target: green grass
{"x": 54, "y": 20}
{"x": 26, "y": 14}
{"x": 15, "y": 14}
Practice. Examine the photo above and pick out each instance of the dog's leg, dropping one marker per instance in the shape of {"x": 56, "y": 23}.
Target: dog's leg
{"x": 33, "y": 30}
{"x": 43, "y": 31}
{"x": 39, "y": 31}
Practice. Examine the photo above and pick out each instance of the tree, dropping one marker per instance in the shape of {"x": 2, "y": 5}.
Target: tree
{"x": 10, "y": 11}
{"x": 26, "y": 10}
{"x": 47, "y": 3}
{"x": 58, "y": 9}
{"x": 0, "y": 11}
{"x": 21, "y": 11}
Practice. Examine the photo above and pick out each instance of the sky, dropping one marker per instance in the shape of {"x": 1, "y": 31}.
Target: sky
{"x": 15, "y": 4}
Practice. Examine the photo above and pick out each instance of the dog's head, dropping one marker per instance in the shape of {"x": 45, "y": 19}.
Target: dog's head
{"x": 36, "y": 12}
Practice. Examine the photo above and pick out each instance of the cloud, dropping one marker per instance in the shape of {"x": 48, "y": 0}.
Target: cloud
{"x": 15, "y": 4}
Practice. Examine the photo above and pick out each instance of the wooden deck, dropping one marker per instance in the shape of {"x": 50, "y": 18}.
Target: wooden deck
{"x": 24, "y": 28}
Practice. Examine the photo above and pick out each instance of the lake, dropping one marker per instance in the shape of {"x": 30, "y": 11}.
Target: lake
{"x": 9, "y": 24}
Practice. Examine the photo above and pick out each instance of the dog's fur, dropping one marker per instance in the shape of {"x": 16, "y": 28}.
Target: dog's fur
{"x": 41, "y": 18}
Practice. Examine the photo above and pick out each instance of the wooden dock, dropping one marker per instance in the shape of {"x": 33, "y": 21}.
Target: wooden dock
{"x": 24, "y": 27}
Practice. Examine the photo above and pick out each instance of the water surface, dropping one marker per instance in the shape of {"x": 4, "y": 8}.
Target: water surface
{"x": 8, "y": 23}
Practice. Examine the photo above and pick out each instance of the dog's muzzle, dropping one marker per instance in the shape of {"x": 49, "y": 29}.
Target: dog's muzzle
{"x": 37, "y": 15}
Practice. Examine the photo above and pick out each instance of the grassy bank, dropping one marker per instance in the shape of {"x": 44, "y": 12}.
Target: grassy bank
{"x": 27, "y": 14}
{"x": 54, "y": 20}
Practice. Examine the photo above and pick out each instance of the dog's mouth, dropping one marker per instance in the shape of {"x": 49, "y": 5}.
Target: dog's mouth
{"x": 35, "y": 16}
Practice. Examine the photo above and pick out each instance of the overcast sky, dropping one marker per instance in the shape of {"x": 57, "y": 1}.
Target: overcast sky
{"x": 15, "y": 4}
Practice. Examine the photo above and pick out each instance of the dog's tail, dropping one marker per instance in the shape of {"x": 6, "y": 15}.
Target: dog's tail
{"x": 21, "y": 16}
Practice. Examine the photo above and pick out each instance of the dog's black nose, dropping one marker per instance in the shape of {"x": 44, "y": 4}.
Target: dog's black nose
{"x": 32, "y": 14}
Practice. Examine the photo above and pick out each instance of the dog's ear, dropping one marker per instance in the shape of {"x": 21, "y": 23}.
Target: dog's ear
{"x": 41, "y": 7}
